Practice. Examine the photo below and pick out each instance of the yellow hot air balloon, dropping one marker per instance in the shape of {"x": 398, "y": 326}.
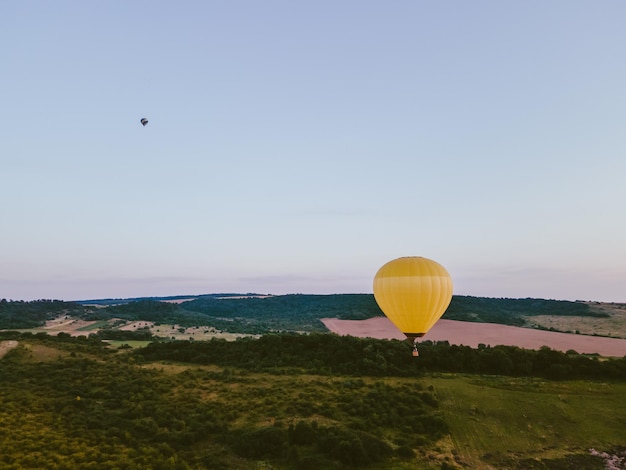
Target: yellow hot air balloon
{"x": 413, "y": 292}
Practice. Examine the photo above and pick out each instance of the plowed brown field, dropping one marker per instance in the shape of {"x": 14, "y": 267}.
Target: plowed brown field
{"x": 473, "y": 334}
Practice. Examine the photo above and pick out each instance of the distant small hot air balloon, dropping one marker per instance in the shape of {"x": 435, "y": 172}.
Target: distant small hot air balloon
{"x": 144, "y": 121}
{"x": 413, "y": 292}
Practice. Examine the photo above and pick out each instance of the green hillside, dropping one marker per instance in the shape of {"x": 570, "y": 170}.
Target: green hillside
{"x": 252, "y": 314}
{"x": 20, "y": 314}
{"x": 288, "y": 401}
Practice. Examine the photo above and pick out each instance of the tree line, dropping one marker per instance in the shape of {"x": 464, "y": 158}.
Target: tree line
{"x": 324, "y": 353}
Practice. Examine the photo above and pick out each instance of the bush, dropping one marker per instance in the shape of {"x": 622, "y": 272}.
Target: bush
{"x": 269, "y": 442}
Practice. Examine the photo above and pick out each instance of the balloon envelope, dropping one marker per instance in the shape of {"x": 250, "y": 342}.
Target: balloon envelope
{"x": 413, "y": 292}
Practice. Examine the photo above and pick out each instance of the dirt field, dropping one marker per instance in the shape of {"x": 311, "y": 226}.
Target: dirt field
{"x": 199, "y": 333}
{"x": 473, "y": 334}
{"x": 65, "y": 324}
{"x": 6, "y": 346}
{"x": 76, "y": 327}
{"x": 614, "y": 325}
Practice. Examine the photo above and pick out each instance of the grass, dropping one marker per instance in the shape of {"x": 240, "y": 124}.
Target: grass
{"x": 495, "y": 419}
{"x": 115, "y": 344}
{"x": 43, "y": 353}
{"x": 94, "y": 326}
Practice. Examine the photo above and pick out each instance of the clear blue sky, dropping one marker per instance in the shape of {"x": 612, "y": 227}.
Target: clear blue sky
{"x": 295, "y": 147}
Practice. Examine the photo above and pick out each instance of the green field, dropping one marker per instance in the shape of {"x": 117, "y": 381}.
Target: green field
{"x": 94, "y": 326}
{"x": 497, "y": 420}
{"x": 130, "y": 344}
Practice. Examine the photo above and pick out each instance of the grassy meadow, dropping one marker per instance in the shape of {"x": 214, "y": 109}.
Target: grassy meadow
{"x": 495, "y": 421}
